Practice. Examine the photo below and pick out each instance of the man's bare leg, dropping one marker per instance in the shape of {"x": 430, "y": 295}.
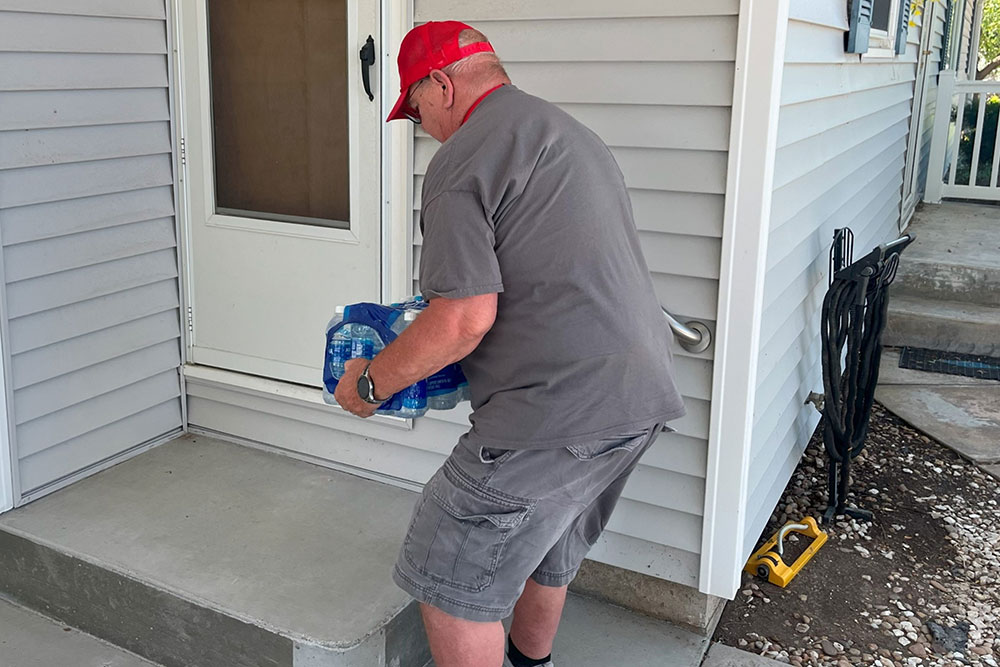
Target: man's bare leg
{"x": 536, "y": 619}
{"x": 456, "y": 642}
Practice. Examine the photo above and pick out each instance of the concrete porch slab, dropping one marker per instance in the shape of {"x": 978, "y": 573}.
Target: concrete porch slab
{"x": 202, "y": 552}
{"x": 28, "y": 639}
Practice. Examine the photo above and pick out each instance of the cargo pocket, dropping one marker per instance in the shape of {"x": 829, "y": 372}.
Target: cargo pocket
{"x": 609, "y": 446}
{"x": 458, "y": 535}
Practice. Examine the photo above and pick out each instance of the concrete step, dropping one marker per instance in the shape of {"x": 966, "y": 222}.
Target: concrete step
{"x": 943, "y": 325}
{"x": 28, "y": 639}
{"x": 202, "y": 553}
{"x": 596, "y": 634}
{"x": 948, "y": 281}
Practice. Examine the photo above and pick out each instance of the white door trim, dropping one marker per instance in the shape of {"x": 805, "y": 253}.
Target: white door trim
{"x": 397, "y": 161}
{"x": 760, "y": 50}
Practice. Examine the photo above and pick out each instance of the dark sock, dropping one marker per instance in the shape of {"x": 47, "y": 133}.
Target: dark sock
{"x": 518, "y": 659}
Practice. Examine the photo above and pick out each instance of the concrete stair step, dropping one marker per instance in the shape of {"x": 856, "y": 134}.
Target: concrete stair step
{"x": 29, "y": 639}
{"x": 948, "y": 280}
{"x": 202, "y": 553}
{"x": 943, "y": 325}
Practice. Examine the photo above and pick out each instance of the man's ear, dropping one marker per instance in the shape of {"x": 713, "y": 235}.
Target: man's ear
{"x": 443, "y": 81}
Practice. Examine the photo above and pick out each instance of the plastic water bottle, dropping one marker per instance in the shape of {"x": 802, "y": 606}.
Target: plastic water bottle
{"x": 340, "y": 347}
{"x": 442, "y": 389}
{"x": 404, "y": 321}
{"x": 363, "y": 339}
{"x": 414, "y": 400}
{"x": 463, "y": 390}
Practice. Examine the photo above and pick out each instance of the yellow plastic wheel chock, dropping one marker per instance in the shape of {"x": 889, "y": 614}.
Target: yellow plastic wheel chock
{"x": 767, "y": 562}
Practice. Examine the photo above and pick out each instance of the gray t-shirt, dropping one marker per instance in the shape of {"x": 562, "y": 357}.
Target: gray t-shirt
{"x": 526, "y": 201}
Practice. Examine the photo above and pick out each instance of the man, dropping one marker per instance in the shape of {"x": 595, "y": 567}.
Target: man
{"x": 536, "y": 282}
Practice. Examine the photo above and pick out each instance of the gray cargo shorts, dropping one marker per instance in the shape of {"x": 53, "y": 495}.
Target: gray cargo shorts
{"x": 491, "y": 518}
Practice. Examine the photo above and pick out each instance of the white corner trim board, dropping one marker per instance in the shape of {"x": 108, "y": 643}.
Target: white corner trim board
{"x": 10, "y": 491}
{"x": 760, "y": 48}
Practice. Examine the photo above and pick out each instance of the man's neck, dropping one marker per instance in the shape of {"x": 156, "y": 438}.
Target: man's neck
{"x": 465, "y": 97}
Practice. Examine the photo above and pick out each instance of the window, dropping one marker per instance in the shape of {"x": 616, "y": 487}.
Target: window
{"x": 878, "y": 28}
{"x": 882, "y": 40}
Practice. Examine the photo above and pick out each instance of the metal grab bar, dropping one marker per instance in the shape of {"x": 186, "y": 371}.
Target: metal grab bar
{"x": 693, "y": 336}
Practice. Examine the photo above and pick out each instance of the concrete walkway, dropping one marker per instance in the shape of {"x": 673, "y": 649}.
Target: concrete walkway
{"x": 30, "y": 640}
{"x": 721, "y": 655}
{"x": 962, "y": 413}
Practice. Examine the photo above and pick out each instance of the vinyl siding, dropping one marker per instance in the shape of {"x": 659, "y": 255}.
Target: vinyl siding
{"x": 90, "y": 281}
{"x": 842, "y": 134}
{"x": 597, "y": 60}
{"x": 967, "y": 54}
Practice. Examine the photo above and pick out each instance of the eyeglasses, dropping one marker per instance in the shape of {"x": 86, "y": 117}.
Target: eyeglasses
{"x": 407, "y": 110}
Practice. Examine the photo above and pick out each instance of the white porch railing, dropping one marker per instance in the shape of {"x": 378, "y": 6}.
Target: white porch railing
{"x": 962, "y": 164}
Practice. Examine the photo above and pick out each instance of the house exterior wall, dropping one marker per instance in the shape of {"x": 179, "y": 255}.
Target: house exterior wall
{"x": 89, "y": 268}
{"x": 595, "y": 60}
{"x": 671, "y": 143}
{"x": 842, "y": 134}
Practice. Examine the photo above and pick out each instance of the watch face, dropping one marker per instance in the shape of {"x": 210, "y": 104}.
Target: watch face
{"x": 364, "y": 386}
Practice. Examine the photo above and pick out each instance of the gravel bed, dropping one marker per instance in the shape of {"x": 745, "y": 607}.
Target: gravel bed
{"x": 916, "y": 586}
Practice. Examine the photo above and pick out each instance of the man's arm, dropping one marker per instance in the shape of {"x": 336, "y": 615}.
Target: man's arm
{"x": 445, "y": 332}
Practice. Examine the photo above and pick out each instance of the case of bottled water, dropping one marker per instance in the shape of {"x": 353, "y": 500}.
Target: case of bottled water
{"x": 366, "y": 332}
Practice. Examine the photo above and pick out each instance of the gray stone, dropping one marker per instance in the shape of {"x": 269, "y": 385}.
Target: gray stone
{"x": 950, "y": 639}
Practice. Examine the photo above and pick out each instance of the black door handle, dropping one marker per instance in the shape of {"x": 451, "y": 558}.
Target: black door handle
{"x": 367, "y": 60}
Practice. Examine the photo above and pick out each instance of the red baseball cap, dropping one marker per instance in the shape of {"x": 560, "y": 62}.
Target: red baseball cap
{"x": 433, "y": 45}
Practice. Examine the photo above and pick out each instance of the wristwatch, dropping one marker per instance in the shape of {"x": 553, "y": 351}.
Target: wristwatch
{"x": 366, "y": 388}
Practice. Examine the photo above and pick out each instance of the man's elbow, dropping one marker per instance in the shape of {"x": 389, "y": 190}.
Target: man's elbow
{"x": 471, "y": 317}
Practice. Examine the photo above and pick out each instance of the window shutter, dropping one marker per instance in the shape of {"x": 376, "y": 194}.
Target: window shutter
{"x": 860, "y": 13}
{"x": 949, "y": 16}
{"x": 903, "y": 27}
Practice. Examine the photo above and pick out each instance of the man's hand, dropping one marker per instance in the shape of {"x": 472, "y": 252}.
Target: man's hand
{"x": 347, "y": 390}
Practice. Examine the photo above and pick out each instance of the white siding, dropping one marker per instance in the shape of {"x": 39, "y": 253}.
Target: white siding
{"x": 968, "y": 54}
{"x": 842, "y": 134}
{"x": 90, "y": 291}
{"x": 655, "y": 81}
